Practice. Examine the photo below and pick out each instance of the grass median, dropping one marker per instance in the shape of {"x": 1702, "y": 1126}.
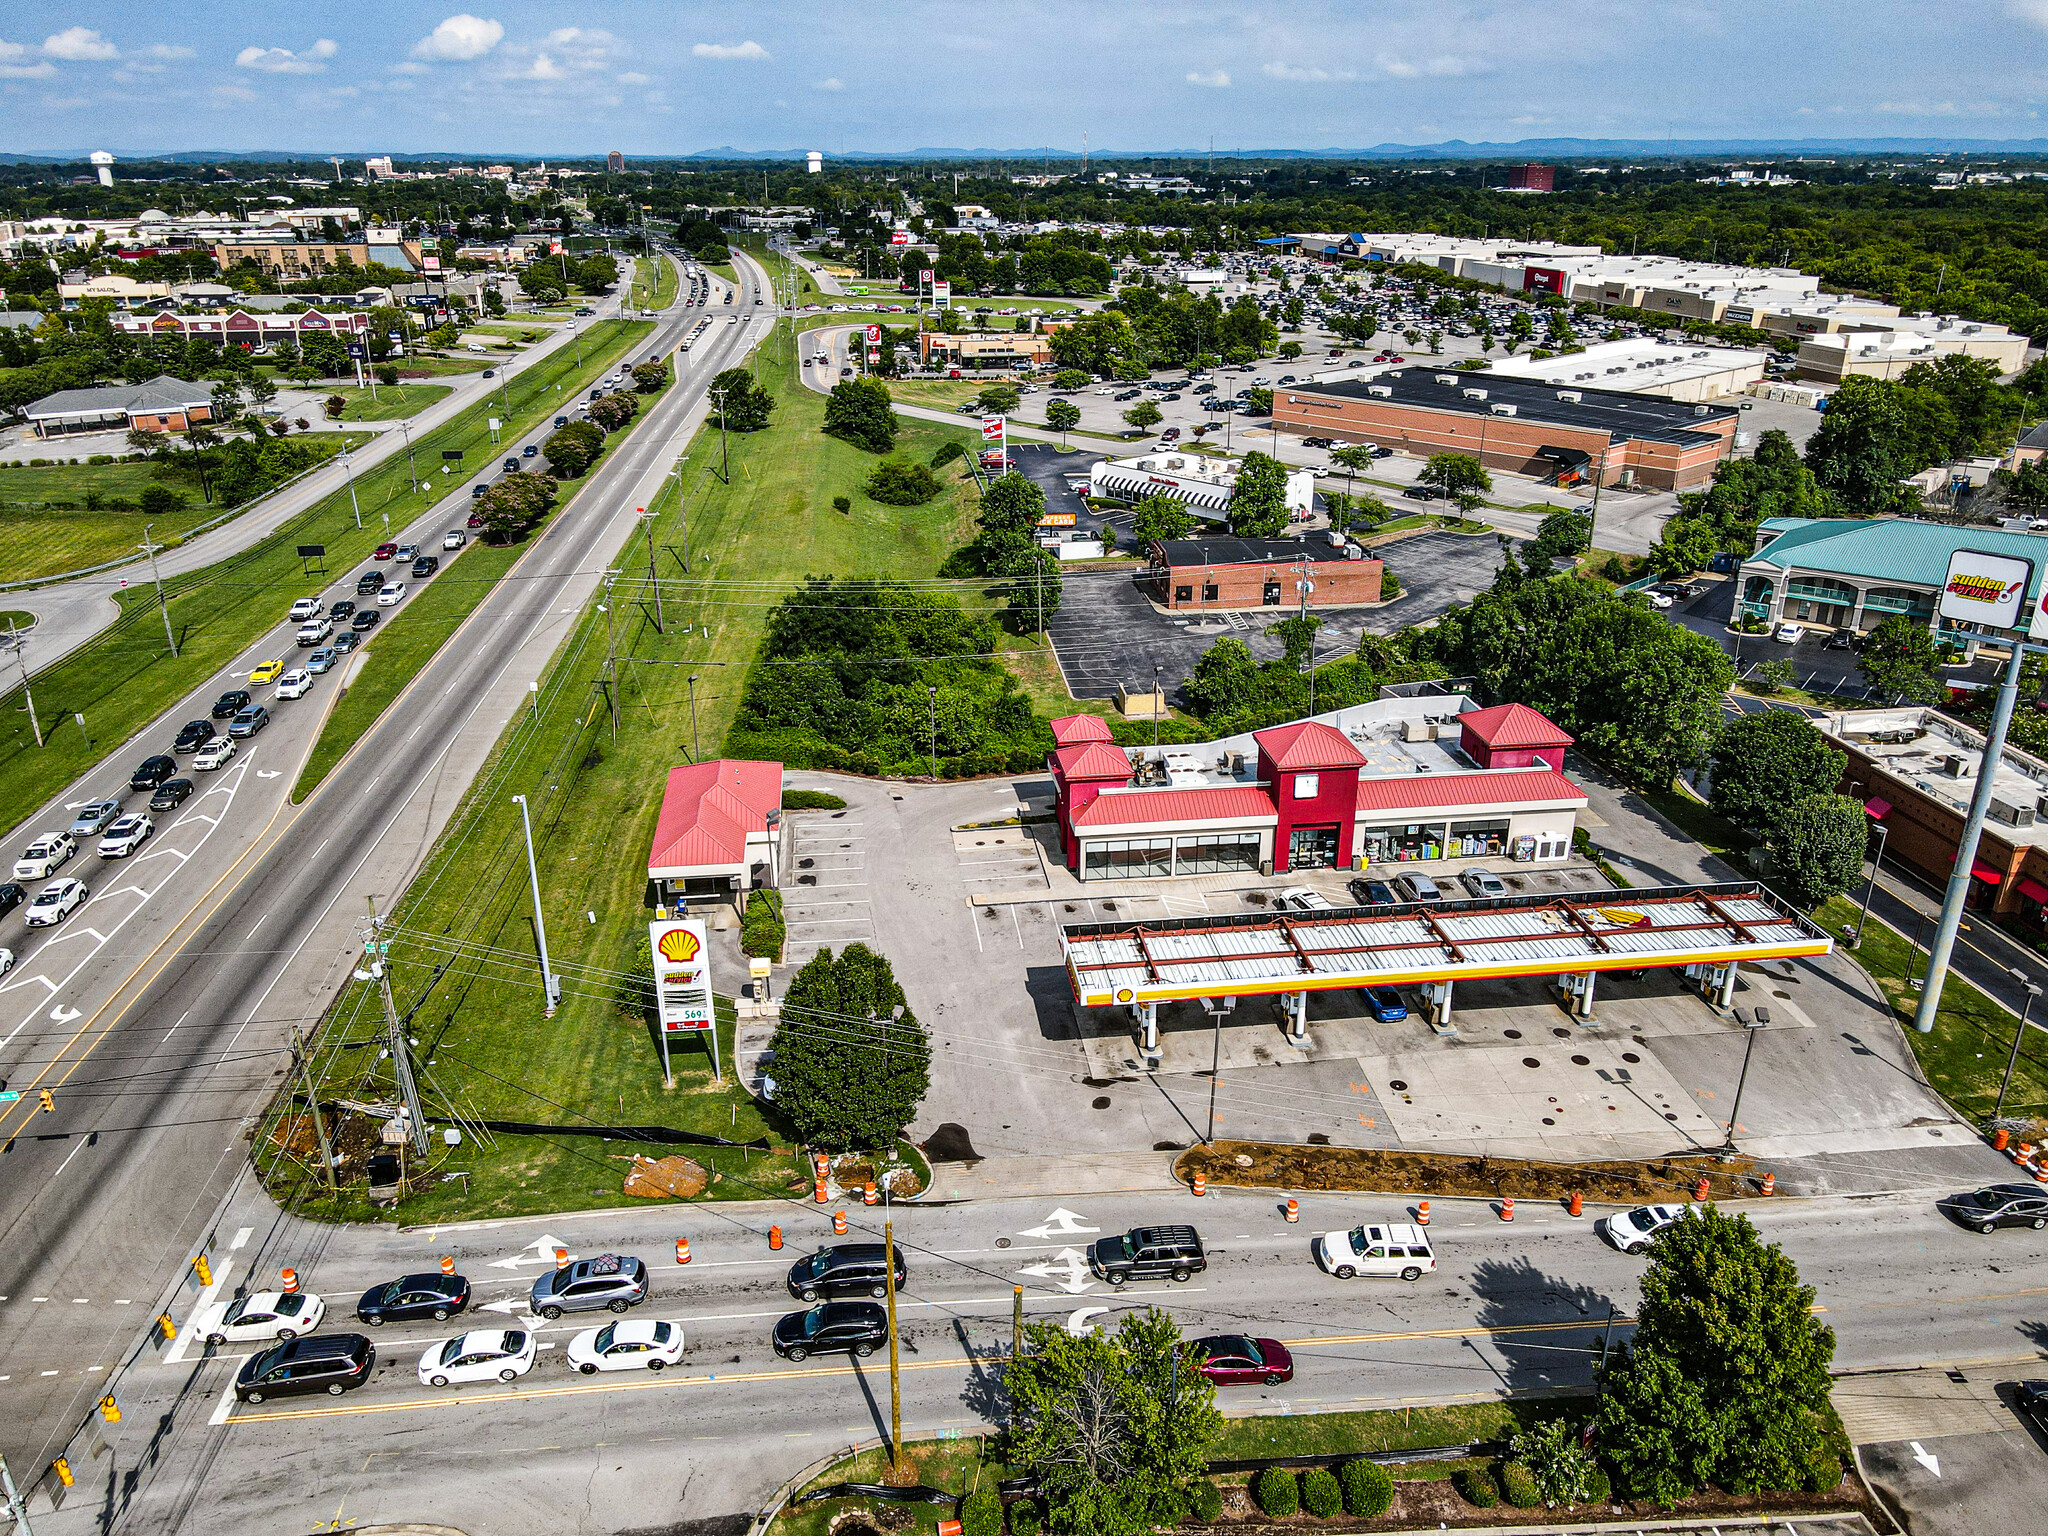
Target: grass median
{"x": 125, "y": 676}
{"x": 654, "y": 282}
{"x": 391, "y": 401}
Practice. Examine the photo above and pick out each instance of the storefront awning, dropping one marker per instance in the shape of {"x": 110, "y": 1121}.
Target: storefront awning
{"x": 1878, "y": 807}
{"x": 2034, "y": 890}
{"x": 1982, "y": 871}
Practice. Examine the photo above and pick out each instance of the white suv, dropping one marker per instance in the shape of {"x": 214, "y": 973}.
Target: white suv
{"x": 45, "y": 856}
{"x": 1399, "y": 1249}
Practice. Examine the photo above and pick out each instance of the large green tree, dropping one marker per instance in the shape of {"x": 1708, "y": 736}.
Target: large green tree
{"x": 1062, "y": 416}
{"x": 1763, "y": 764}
{"x": 1115, "y": 1426}
{"x": 1458, "y": 476}
{"x": 1900, "y": 661}
{"x": 1162, "y": 517}
{"x": 745, "y": 403}
{"x": 1726, "y": 1377}
{"x": 859, "y": 412}
{"x": 850, "y": 1061}
{"x": 1818, "y": 844}
{"x": 1258, "y": 503}
{"x": 1865, "y": 445}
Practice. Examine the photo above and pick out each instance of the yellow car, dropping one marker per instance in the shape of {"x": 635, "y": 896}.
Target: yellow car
{"x": 268, "y": 672}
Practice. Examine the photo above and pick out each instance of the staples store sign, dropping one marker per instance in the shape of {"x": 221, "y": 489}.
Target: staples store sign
{"x": 1990, "y": 590}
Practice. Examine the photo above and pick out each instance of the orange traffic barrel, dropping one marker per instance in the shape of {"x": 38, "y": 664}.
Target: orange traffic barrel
{"x": 1577, "y": 1204}
{"x": 1770, "y": 1183}
{"x": 2001, "y": 1139}
{"x": 447, "y": 1263}
{"x": 869, "y": 1196}
{"x": 839, "y": 1223}
{"x": 775, "y": 1237}
{"x": 290, "y": 1280}
{"x": 1422, "y": 1214}
{"x": 1293, "y": 1209}
{"x": 682, "y": 1250}
{"x": 819, "y": 1194}
{"x": 561, "y": 1258}
{"x": 1701, "y": 1189}
{"x": 1201, "y": 1185}
{"x": 1507, "y": 1208}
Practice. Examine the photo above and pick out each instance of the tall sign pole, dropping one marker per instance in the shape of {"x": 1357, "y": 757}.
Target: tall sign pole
{"x": 895, "y": 1372}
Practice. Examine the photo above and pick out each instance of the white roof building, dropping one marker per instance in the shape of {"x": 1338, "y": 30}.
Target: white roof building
{"x": 1646, "y": 365}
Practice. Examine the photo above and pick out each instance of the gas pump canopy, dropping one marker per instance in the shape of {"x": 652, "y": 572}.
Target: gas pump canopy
{"x": 1136, "y": 964}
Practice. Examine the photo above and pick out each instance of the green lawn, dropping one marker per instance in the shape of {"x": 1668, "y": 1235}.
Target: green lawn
{"x": 655, "y": 279}
{"x": 391, "y": 402}
{"x": 439, "y": 366}
{"x": 124, "y": 676}
{"x": 594, "y": 802}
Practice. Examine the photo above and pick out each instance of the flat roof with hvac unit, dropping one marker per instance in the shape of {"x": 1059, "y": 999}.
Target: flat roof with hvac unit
{"x": 1141, "y": 964}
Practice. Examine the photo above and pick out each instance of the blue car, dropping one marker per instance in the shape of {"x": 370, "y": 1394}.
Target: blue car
{"x": 1385, "y": 1005}
{"x": 1371, "y": 893}
{"x": 321, "y": 659}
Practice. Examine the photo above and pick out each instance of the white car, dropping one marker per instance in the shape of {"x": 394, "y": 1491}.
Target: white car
{"x": 295, "y": 684}
{"x": 1631, "y": 1231}
{"x": 304, "y": 608}
{"x": 125, "y": 836}
{"x": 6, "y": 961}
{"x": 1787, "y": 634}
{"x": 55, "y": 902}
{"x": 215, "y": 754}
{"x": 454, "y": 538}
{"x": 1659, "y": 599}
{"x": 475, "y": 346}
{"x": 1399, "y": 1250}
{"x": 489, "y": 1354}
{"x": 389, "y": 594}
{"x": 45, "y": 856}
{"x": 264, "y": 1315}
{"x": 626, "y": 1346}
{"x": 1299, "y": 898}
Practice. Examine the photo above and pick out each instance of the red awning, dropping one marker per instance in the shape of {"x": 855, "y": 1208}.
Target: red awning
{"x": 2034, "y": 890}
{"x": 1878, "y": 807}
{"x": 1982, "y": 871}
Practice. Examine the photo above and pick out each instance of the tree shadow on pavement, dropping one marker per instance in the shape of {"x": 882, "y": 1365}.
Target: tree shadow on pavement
{"x": 1543, "y": 1333}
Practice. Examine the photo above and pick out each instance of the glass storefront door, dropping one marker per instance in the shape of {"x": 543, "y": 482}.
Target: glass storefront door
{"x": 1312, "y": 848}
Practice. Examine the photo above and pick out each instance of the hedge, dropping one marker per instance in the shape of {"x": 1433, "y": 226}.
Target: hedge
{"x": 762, "y": 931}
{"x": 1205, "y": 1502}
{"x": 811, "y": 800}
{"x": 1320, "y": 1495}
{"x": 1368, "y": 1488}
{"x": 981, "y": 1514}
{"x": 1476, "y": 1484}
{"x": 1518, "y": 1485}
{"x": 1024, "y": 1518}
{"x": 1276, "y": 1492}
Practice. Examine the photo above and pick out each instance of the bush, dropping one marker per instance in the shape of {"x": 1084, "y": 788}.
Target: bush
{"x": 1368, "y": 1488}
{"x": 1599, "y": 1489}
{"x": 811, "y": 800}
{"x": 1205, "y": 1502}
{"x": 1823, "y": 1467}
{"x": 1320, "y": 1495}
{"x": 160, "y": 500}
{"x": 1518, "y": 1483}
{"x": 1476, "y": 1486}
{"x": 948, "y": 451}
{"x": 981, "y": 1514}
{"x": 1276, "y": 1492}
{"x": 762, "y": 930}
{"x": 842, "y": 504}
{"x": 1024, "y": 1518}
{"x": 1390, "y": 584}
{"x": 898, "y": 482}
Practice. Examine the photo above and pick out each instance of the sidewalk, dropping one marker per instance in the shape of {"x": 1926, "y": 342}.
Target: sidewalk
{"x": 1102, "y": 1173}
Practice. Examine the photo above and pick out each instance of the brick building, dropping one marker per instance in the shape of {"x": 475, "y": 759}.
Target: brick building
{"x": 1532, "y": 178}
{"x": 1226, "y": 573}
{"x": 983, "y": 349}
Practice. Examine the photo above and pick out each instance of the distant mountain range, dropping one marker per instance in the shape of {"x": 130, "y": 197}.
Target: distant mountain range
{"x": 1452, "y": 149}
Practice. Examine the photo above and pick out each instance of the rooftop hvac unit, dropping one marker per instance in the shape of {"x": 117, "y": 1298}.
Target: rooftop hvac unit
{"x": 1381, "y": 390}
{"x": 1474, "y": 394}
{"x": 2012, "y": 815}
{"x": 1418, "y": 730}
{"x": 1447, "y": 378}
{"x": 1701, "y": 410}
{"x": 1958, "y": 766}
{"x": 1573, "y": 395}
{"x": 1500, "y": 409}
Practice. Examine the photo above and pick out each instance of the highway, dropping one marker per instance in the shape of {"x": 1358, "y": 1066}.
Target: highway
{"x": 157, "y": 1013}
{"x": 1520, "y": 1308}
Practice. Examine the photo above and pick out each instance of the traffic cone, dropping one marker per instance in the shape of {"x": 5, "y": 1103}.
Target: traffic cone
{"x": 290, "y": 1281}
{"x": 1770, "y": 1183}
{"x": 561, "y": 1258}
{"x": 869, "y": 1195}
{"x": 839, "y": 1223}
{"x": 819, "y": 1194}
{"x": 1701, "y": 1189}
{"x": 775, "y": 1237}
{"x": 2001, "y": 1139}
{"x": 1201, "y": 1186}
{"x": 1507, "y": 1208}
{"x": 1577, "y": 1205}
{"x": 447, "y": 1264}
{"x": 1293, "y": 1209}
{"x": 1422, "y": 1214}
{"x": 682, "y": 1250}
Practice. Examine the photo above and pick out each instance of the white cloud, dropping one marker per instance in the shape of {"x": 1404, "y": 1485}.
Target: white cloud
{"x": 233, "y": 95}
{"x": 79, "y": 45}
{"x": 832, "y": 84}
{"x": 283, "y": 61}
{"x": 13, "y": 67}
{"x": 2035, "y": 11}
{"x": 1214, "y": 77}
{"x": 1309, "y": 74}
{"x": 634, "y": 77}
{"x": 1444, "y": 65}
{"x": 543, "y": 68}
{"x": 66, "y": 103}
{"x": 458, "y": 38}
{"x": 747, "y": 50}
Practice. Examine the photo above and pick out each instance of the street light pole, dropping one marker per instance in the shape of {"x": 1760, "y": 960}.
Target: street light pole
{"x": 150, "y": 547}
{"x": 2018, "y": 1035}
{"x": 933, "y": 702}
{"x": 550, "y": 989}
{"x": 1753, "y": 1025}
{"x": 1863, "y": 923}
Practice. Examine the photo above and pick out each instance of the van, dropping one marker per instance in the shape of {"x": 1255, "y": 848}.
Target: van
{"x": 332, "y": 1363}
{"x": 1398, "y": 1250}
{"x": 1419, "y": 888}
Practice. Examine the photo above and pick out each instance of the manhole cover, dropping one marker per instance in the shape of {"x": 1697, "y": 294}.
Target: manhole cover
{"x": 1531, "y": 1061}
{"x": 1668, "y": 1115}
{"x": 1101, "y": 1103}
{"x": 1582, "y": 1061}
{"x": 1398, "y": 1086}
{"x": 1512, "y": 1034}
{"x": 1630, "y": 1057}
{"x": 1002, "y": 1242}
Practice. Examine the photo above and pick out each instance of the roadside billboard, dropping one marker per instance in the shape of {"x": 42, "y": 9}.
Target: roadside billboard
{"x": 682, "y": 974}
{"x": 1990, "y": 590}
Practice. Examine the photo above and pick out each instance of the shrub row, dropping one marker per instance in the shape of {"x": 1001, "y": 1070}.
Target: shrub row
{"x": 1361, "y": 1488}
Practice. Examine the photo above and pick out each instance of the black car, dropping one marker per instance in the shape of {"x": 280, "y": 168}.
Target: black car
{"x": 2002, "y": 1205}
{"x": 425, "y": 566}
{"x": 511, "y": 466}
{"x": 170, "y": 794}
{"x": 848, "y": 1269}
{"x": 1419, "y": 493}
{"x": 333, "y": 1363}
{"x": 2031, "y": 1398}
{"x": 347, "y": 641}
{"x": 231, "y": 704}
{"x": 837, "y": 1327}
{"x": 342, "y": 610}
{"x": 365, "y": 621}
{"x": 529, "y": 451}
{"x": 1148, "y": 1253}
{"x": 152, "y": 771}
{"x": 1371, "y": 893}
{"x": 193, "y": 735}
{"x": 368, "y": 583}
{"x": 409, "y": 1297}
{"x": 561, "y": 421}
{"x": 11, "y": 896}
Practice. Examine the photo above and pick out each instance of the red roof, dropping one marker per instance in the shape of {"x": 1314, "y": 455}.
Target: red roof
{"x": 1092, "y": 760}
{"x": 708, "y": 810}
{"x": 1512, "y": 725}
{"x": 1226, "y": 802}
{"x": 1308, "y": 744}
{"x": 1070, "y": 729}
{"x": 1432, "y": 791}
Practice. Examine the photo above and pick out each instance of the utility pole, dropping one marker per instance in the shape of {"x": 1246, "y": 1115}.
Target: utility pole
{"x": 1016, "y": 1321}
{"x": 696, "y": 755}
{"x": 304, "y": 1072}
{"x": 653, "y": 576}
{"x": 724, "y": 469}
{"x": 15, "y": 640}
{"x": 401, "y": 1051}
{"x": 16, "y": 1504}
{"x": 410, "y": 468}
{"x": 349, "y": 474}
{"x": 150, "y": 548}
{"x": 611, "y": 653}
{"x": 550, "y": 987}
{"x": 895, "y": 1377}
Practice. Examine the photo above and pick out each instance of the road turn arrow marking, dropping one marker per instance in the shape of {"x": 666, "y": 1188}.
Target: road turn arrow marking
{"x": 1078, "y": 1324}
{"x": 1061, "y": 1223}
{"x": 1067, "y": 1269}
{"x": 1926, "y": 1458}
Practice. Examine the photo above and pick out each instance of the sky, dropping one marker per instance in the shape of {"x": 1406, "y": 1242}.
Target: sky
{"x": 538, "y": 77}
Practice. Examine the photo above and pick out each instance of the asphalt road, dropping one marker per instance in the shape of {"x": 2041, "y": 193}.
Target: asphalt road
{"x": 158, "y": 1012}
{"x": 1518, "y": 1308}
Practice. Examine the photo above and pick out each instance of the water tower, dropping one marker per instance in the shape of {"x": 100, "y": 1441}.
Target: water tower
{"x": 814, "y": 162}
{"x": 105, "y": 164}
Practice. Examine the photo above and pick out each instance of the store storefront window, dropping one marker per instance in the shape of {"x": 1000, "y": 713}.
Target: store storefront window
{"x": 1143, "y": 858}
{"x": 1312, "y": 848}
{"x": 1216, "y": 853}
{"x": 1400, "y": 844}
{"x": 1479, "y": 839}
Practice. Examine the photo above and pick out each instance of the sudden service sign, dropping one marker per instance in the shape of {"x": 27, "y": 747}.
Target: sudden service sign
{"x": 682, "y": 975}
{"x": 1990, "y": 590}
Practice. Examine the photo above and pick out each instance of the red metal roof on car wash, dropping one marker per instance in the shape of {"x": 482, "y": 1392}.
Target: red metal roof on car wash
{"x": 1226, "y": 802}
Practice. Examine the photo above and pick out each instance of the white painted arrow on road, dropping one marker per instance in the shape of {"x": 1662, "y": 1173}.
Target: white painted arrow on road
{"x": 1078, "y": 1324}
{"x": 1061, "y": 1223}
{"x": 1066, "y": 1267}
{"x": 1926, "y": 1458}
{"x": 544, "y": 1248}
{"x": 63, "y": 1015}
{"x": 268, "y": 773}
{"x": 507, "y": 1307}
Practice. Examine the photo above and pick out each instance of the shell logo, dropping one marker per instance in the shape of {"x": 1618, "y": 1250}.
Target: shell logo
{"x": 678, "y": 945}
{"x": 1124, "y": 994}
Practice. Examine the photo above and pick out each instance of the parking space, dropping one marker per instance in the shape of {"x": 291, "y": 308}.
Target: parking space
{"x": 827, "y": 900}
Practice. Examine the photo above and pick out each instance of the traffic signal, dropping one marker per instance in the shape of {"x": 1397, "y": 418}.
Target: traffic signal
{"x": 63, "y": 1470}
{"x": 167, "y": 1326}
{"x": 202, "y": 1269}
{"x": 49, "y": 1102}
{"x": 109, "y": 1409}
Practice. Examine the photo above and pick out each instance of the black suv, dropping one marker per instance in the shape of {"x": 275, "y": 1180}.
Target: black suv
{"x": 231, "y": 704}
{"x": 333, "y": 1363}
{"x": 368, "y": 583}
{"x": 193, "y": 735}
{"x": 152, "y": 771}
{"x": 850, "y": 1269}
{"x": 414, "y": 1296}
{"x": 837, "y": 1327}
{"x": 2002, "y": 1205}
{"x": 425, "y": 566}
{"x": 1147, "y": 1253}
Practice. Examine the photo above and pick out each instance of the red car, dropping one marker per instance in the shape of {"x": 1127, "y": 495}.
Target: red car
{"x": 1233, "y": 1359}
{"x": 385, "y": 552}
{"x": 476, "y": 519}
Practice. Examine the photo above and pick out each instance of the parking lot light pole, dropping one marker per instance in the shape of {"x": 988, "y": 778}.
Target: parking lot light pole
{"x": 2018, "y": 1035}
{"x": 1863, "y": 922}
{"x": 1753, "y": 1024}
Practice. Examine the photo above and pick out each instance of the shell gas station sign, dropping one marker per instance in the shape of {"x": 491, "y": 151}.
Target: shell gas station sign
{"x": 682, "y": 975}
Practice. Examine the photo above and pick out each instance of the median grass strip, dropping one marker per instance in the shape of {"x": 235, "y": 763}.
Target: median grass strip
{"x": 125, "y": 676}
{"x": 654, "y": 282}
{"x": 391, "y": 401}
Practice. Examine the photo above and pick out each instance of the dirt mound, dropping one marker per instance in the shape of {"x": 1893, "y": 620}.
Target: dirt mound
{"x": 1268, "y": 1166}
{"x": 666, "y": 1178}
